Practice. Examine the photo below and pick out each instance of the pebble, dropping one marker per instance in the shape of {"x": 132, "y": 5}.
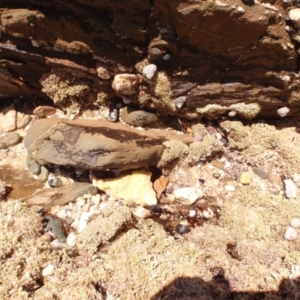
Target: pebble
{"x": 47, "y": 271}
{"x": 290, "y": 189}
{"x": 9, "y": 139}
{"x": 296, "y": 178}
{"x": 283, "y": 111}
{"x": 232, "y": 113}
{"x": 43, "y": 176}
{"x": 154, "y": 53}
{"x": 137, "y": 118}
{"x": 149, "y": 71}
{"x": 113, "y": 115}
{"x": 188, "y": 195}
{"x": 9, "y": 119}
{"x": 260, "y": 172}
{"x": 57, "y": 245}
{"x": 229, "y": 188}
{"x": 179, "y": 101}
{"x": 294, "y": 16}
{"x": 167, "y": 57}
{"x": 142, "y": 213}
{"x": 55, "y": 182}
{"x": 290, "y": 234}
{"x": 96, "y": 199}
{"x": 33, "y": 166}
{"x": 56, "y": 227}
{"x": 245, "y": 178}
{"x": 80, "y": 201}
{"x": 192, "y": 213}
{"x": 22, "y": 120}
{"x": 71, "y": 239}
{"x": 182, "y": 228}
{"x": 295, "y": 223}
{"x": 126, "y": 84}
{"x": 275, "y": 178}
{"x": 207, "y": 214}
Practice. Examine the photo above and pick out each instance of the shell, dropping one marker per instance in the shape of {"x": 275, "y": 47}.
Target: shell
{"x": 149, "y": 71}
{"x": 180, "y": 101}
{"x": 283, "y": 111}
{"x": 113, "y": 115}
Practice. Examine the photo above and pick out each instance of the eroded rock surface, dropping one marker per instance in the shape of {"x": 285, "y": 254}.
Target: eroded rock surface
{"x": 221, "y": 56}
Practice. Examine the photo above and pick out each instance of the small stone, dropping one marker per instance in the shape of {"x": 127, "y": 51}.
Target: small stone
{"x": 44, "y": 111}
{"x": 71, "y": 239}
{"x": 137, "y": 118}
{"x": 275, "y": 179}
{"x": 43, "y": 176}
{"x": 232, "y": 113}
{"x": 142, "y": 213}
{"x": 33, "y": 166}
{"x": 22, "y": 120}
{"x": 188, "y": 195}
{"x": 9, "y": 139}
{"x": 229, "y": 188}
{"x": 149, "y": 71}
{"x": 126, "y": 100}
{"x": 283, "y": 111}
{"x": 126, "y": 84}
{"x": 192, "y": 213}
{"x": 113, "y": 115}
{"x": 55, "y": 182}
{"x": 296, "y": 178}
{"x": 8, "y": 119}
{"x": 80, "y": 201}
{"x": 160, "y": 185}
{"x": 290, "y": 234}
{"x": 167, "y": 57}
{"x": 207, "y": 214}
{"x": 154, "y": 54}
{"x": 57, "y": 245}
{"x": 245, "y": 178}
{"x": 182, "y": 228}
{"x": 295, "y": 223}
{"x": 179, "y": 101}
{"x": 69, "y": 220}
{"x": 290, "y": 189}
{"x": 47, "y": 271}
{"x": 262, "y": 173}
{"x": 294, "y": 16}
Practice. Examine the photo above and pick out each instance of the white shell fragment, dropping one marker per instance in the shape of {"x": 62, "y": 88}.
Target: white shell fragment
{"x": 180, "y": 101}
{"x": 290, "y": 189}
{"x": 295, "y": 223}
{"x": 149, "y": 71}
{"x": 283, "y": 111}
{"x": 290, "y": 234}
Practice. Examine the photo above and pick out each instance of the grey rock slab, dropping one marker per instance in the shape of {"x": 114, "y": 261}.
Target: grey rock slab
{"x": 93, "y": 144}
{"x": 49, "y": 197}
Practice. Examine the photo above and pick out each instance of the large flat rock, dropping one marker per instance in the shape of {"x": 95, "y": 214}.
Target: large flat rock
{"x": 93, "y": 144}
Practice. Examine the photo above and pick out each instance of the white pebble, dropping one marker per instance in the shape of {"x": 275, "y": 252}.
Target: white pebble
{"x": 62, "y": 214}
{"x": 296, "y": 177}
{"x": 290, "y": 189}
{"x": 207, "y": 214}
{"x": 192, "y": 213}
{"x": 283, "y": 111}
{"x": 47, "y": 271}
{"x": 96, "y": 199}
{"x": 179, "y": 101}
{"x": 142, "y": 213}
{"x": 295, "y": 223}
{"x": 290, "y": 234}
{"x": 149, "y": 71}
{"x": 80, "y": 201}
{"x": 229, "y": 188}
{"x": 71, "y": 239}
{"x": 188, "y": 195}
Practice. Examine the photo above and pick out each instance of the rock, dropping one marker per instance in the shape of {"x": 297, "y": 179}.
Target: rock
{"x": 296, "y": 179}
{"x": 207, "y": 214}
{"x": 295, "y": 223}
{"x": 71, "y": 239}
{"x": 8, "y": 119}
{"x": 47, "y": 271}
{"x": 56, "y": 227}
{"x": 5, "y": 189}
{"x": 294, "y": 16}
{"x": 154, "y": 54}
{"x": 245, "y": 178}
{"x": 47, "y": 198}
{"x": 44, "y": 111}
{"x": 43, "y": 176}
{"x": 149, "y": 71}
{"x": 9, "y": 139}
{"x": 93, "y": 144}
{"x": 179, "y": 101}
{"x": 283, "y": 111}
{"x": 142, "y": 212}
{"x": 137, "y": 118}
{"x": 113, "y": 115}
{"x": 188, "y": 195}
{"x": 131, "y": 187}
{"x": 33, "y": 166}
{"x": 262, "y": 173}
{"x": 55, "y": 182}
{"x": 126, "y": 84}
{"x": 290, "y": 234}
{"x": 183, "y": 228}
{"x": 290, "y": 189}
{"x": 275, "y": 179}
{"x": 229, "y": 188}
{"x": 22, "y": 120}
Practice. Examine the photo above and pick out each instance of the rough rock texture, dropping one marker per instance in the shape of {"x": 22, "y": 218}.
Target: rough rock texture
{"x": 93, "y": 144}
{"x": 221, "y": 55}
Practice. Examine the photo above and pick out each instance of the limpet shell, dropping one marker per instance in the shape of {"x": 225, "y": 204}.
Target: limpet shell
{"x": 149, "y": 71}
{"x": 180, "y": 101}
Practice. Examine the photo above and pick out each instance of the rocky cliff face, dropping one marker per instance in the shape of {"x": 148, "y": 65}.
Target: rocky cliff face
{"x": 218, "y": 56}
